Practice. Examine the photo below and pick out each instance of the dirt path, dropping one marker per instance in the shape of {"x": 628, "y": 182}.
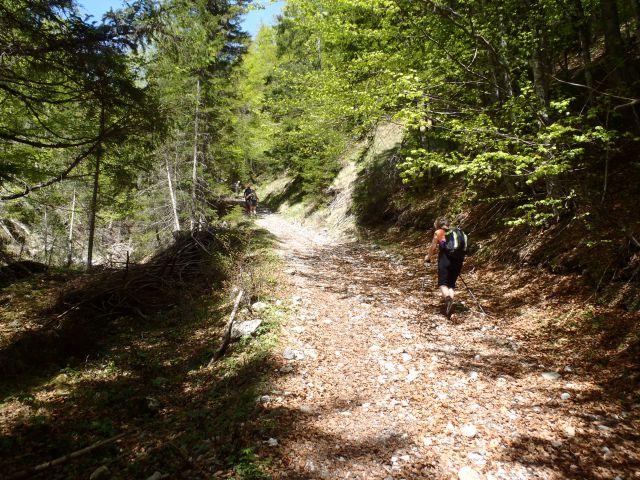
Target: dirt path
{"x": 375, "y": 384}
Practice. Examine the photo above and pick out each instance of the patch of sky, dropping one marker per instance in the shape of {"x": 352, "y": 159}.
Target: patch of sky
{"x": 262, "y": 12}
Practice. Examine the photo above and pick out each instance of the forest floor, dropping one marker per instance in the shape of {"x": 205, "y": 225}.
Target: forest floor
{"x": 353, "y": 374}
{"x": 373, "y": 382}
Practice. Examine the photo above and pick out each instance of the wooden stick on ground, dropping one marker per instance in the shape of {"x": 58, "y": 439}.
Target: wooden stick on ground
{"x": 65, "y": 458}
{"x": 227, "y": 335}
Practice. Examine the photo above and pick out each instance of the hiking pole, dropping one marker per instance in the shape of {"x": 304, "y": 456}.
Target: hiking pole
{"x": 474, "y": 297}
{"x": 424, "y": 278}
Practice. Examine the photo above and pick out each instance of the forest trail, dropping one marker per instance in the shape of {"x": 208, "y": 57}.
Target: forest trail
{"x": 374, "y": 383}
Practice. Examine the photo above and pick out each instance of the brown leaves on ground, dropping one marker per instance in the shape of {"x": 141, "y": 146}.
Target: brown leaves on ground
{"x": 376, "y": 383}
{"x": 388, "y": 388}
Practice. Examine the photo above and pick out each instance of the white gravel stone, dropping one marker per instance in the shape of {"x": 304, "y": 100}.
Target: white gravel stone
{"x": 565, "y": 396}
{"x": 468, "y": 473}
{"x": 258, "y": 306}
{"x": 413, "y": 374}
{"x": 476, "y": 458}
{"x": 291, "y": 354}
{"x": 469, "y": 430}
{"x": 551, "y": 375}
{"x": 272, "y": 442}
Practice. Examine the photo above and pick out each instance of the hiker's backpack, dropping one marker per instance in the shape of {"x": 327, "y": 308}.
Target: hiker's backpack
{"x": 253, "y": 197}
{"x": 456, "y": 242}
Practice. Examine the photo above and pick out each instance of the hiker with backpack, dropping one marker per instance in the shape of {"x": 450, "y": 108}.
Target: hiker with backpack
{"x": 450, "y": 244}
{"x": 251, "y": 200}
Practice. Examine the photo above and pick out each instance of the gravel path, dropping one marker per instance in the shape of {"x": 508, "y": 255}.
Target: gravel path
{"x": 375, "y": 383}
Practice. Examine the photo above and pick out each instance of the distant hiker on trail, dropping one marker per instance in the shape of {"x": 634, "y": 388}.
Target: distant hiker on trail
{"x": 450, "y": 244}
{"x": 237, "y": 187}
{"x": 251, "y": 200}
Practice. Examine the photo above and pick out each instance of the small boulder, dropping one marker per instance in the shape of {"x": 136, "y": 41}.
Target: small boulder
{"x": 244, "y": 329}
{"x": 259, "y": 306}
{"x": 551, "y": 375}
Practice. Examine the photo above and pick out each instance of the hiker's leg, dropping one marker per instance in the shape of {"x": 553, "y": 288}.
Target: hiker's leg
{"x": 455, "y": 267}
{"x": 443, "y": 274}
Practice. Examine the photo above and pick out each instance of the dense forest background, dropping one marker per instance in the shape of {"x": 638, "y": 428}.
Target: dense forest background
{"x": 520, "y": 118}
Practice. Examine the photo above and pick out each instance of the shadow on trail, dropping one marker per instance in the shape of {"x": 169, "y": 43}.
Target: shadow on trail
{"x": 325, "y": 448}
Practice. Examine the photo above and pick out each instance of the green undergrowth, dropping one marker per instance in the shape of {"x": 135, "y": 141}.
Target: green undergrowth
{"x": 150, "y": 380}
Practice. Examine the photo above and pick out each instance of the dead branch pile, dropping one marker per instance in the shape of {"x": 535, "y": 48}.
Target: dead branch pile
{"x": 90, "y": 302}
{"x": 143, "y": 289}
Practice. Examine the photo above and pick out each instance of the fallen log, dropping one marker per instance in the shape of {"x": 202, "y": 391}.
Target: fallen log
{"x": 65, "y": 458}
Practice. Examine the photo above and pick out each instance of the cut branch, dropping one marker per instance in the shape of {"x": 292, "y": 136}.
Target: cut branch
{"x": 227, "y": 336}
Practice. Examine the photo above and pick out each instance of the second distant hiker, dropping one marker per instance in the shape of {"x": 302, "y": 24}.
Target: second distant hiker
{"x": 251, "y": 200}
{"x": 450, "y": 245}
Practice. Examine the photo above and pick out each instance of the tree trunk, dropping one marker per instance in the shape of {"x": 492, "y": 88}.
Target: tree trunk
{"x": 172, "y": 196}
{"x": 94, "y": 197}
{"x": 503, "y": 83}
{"x": 613, "y": 39}
{"x": 612, "y": 36}
{"x": 70, "y": 237}
{"x": 46, "y": 235}
{"x": 539, "y": 67}
{"x": 194, "y": 172}
{"x": 584, "y": 34}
